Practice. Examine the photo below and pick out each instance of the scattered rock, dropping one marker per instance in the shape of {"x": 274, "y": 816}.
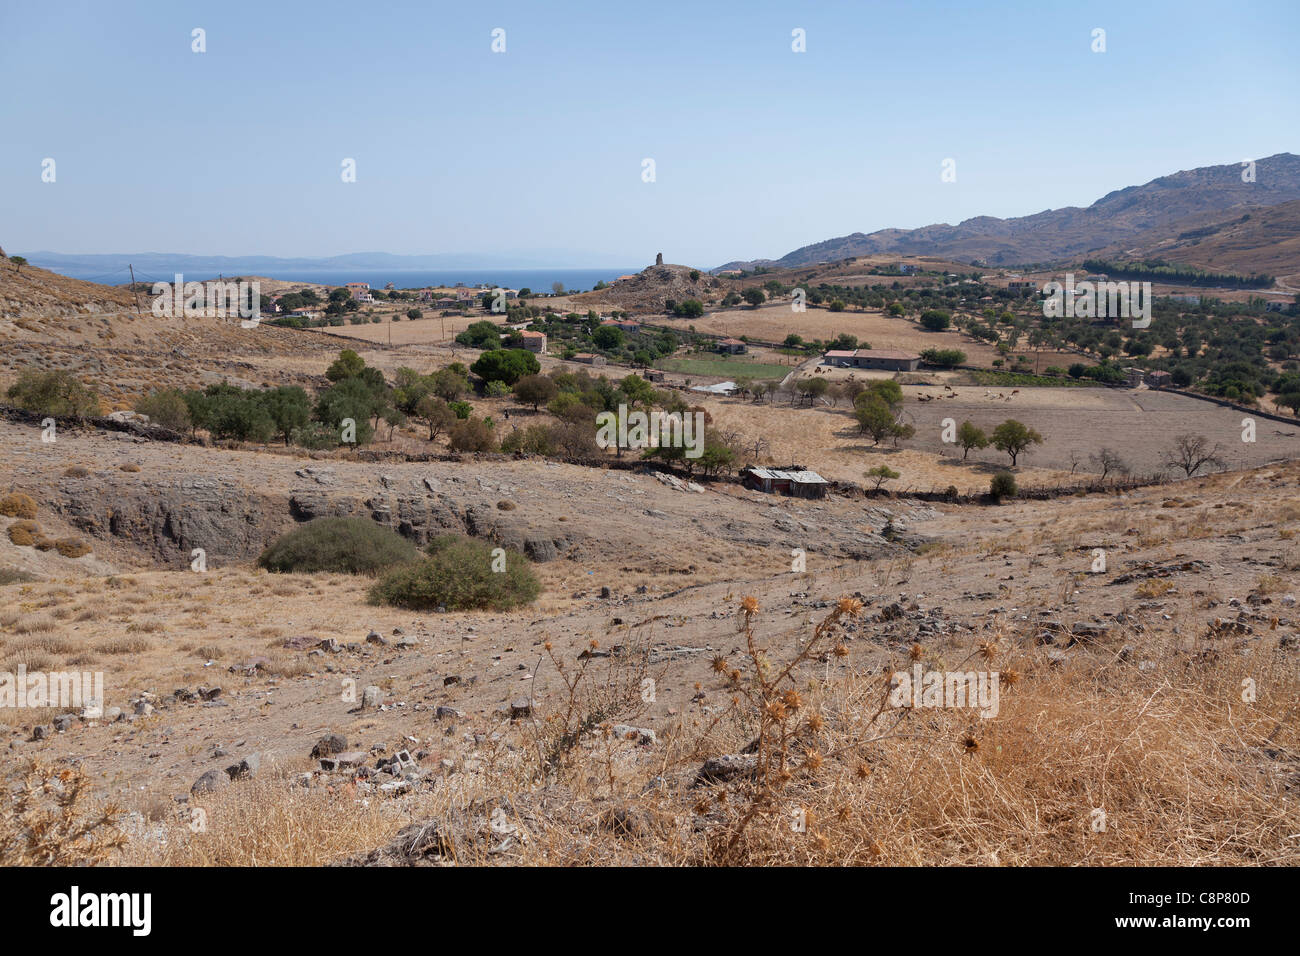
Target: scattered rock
{"x": 329, "y": 745}
{"x": 726, "y": 767}
{"x": 247, "y": 767}
{"x": 211, "y": 781}
{"x": 642, "y": 735}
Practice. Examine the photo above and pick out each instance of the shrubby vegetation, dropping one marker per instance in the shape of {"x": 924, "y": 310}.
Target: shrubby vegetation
{"x": 1160, "y": 271}
{"x": 1002, "y": 485}
{"x": 341, "y": 545}
{"x": 53, "y": 393}
{"x": 459, "y": 574}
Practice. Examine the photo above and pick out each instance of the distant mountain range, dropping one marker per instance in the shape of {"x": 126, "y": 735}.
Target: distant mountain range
{"x": 162, "y": 264}
{"x": 1175, "y": 213}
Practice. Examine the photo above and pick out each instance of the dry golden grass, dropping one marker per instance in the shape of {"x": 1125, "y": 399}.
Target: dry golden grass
{"x": 1099, "y": 762}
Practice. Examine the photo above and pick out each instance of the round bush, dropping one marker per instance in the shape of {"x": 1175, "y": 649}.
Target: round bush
{"x": 24, "y": 533}
{"x": 343, "y": 545}
{"x": 72, "y": 547}
{"x": 1003, "y": 485}
{"x": 459, "y": 575}
{"x": 18, "y": 505}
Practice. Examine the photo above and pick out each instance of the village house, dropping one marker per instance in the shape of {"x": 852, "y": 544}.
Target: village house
{"x": 360, "y": 291}
{"x": 1159, "y": 379}
{"x": 732, "y": 347}
{"x": 1133, "y": 377}
{"x": 624, "y": 324}
{"x": 892, "y": 360}
{"x": 589, "y": 358}
{"x": 795, "y": 481}
{"x": 534, "y": 341}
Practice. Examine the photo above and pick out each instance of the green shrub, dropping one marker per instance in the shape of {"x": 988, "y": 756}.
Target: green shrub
{"x": 317, "y": 436}
{"x": 936, "y": 320}
{"x": 53, "y": 393}
{"x": 459, "y": 575}
{"x": 506, "y": 365}
{"x": 533, "y": 440}
{"x": 343, "y": 545}
{"x": 166, "y": 408}
{"x": 1002, "y": 485}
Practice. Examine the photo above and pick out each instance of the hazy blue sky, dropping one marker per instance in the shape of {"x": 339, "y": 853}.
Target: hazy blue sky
{"x": 758, "y": 150}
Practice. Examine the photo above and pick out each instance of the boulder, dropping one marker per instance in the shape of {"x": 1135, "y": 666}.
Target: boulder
{"x": 210, "y": 782}
{"x": 329, "y": 745}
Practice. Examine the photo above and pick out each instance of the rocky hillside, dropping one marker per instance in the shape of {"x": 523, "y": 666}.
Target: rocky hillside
{"x": 651, "y": 287}
{"x": 30, "y": 293}
{"x": 1136, "y": 218}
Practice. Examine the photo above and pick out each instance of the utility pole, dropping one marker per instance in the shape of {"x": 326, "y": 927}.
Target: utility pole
{"x": 135, "y": 292}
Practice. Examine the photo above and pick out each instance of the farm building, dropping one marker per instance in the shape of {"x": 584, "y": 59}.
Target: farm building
{"x": 795, "y": 480}
{"x": 589, "y": 358}
{"x": 623, "y": 324}
{"x": 893, "y": 360}
{"x": 1133, "y": 377}
{"x": 534, "y": 341}
{"x": 1158, "y": 379}
{"x": 732, "y": 346}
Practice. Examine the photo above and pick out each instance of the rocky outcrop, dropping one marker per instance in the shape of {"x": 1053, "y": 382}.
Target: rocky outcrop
{"x": 230, "y": 521}
{"x": 170, "y": 519}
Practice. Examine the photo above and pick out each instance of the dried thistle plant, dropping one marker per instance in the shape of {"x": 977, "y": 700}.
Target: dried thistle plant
{"x": 50, "y": 820}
